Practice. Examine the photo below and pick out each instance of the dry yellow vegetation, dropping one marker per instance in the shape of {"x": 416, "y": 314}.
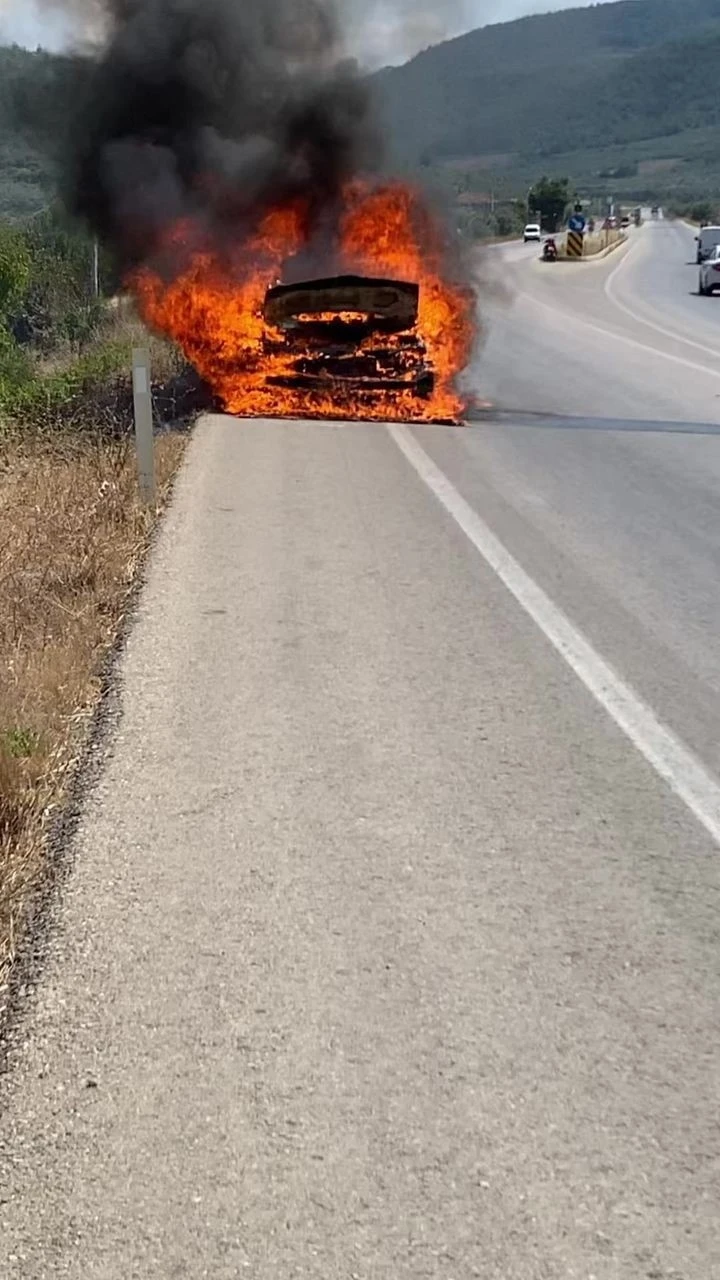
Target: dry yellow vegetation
{"x": 73, "y": 534}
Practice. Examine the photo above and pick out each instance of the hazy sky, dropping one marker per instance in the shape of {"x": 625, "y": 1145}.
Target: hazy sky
{"x": 393, "y": 30}
{"x": 30, "y": 23}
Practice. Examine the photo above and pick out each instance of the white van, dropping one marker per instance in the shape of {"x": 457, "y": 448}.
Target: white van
{"x": 707, "y": 238}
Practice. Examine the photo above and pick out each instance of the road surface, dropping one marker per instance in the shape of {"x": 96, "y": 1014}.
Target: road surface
{"x": 626, "y": 337}
{"x": 390, "y": 945}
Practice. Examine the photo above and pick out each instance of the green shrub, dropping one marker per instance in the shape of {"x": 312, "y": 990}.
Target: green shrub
{"x": 15, "y": 268}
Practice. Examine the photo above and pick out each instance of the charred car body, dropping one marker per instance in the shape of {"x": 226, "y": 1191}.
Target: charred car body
{"x": 354, "y": 333}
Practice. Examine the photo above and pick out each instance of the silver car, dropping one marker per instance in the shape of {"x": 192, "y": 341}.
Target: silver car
{"x": 709, "y": 279}
{"x": 706, "y": 241}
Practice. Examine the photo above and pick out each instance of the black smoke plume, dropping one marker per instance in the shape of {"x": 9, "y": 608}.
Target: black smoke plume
{"x": 214, "y": 110}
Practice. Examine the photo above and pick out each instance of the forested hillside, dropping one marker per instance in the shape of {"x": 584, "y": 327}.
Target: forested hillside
{"x": 626, "y": 90}
{"x": 628, "y": 75}
{"x": 37, "y": 95}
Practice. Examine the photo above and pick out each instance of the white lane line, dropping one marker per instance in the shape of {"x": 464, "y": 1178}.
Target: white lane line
{"x": 573, "y": 318}
{"x": 674, "y": 762}
{"x": 640, "y": 319}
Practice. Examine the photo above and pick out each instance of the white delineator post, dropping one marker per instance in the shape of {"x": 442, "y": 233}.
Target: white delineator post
{"x": 143, "y": 424}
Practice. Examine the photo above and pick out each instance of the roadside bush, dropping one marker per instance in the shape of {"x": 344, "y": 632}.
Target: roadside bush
{"x": 15, "y": 373}
{"x": 15, "y": 268}
{"x": 702, "y": 211}
{"x": 65, "y": 354}
{"x": 505, "y": 225}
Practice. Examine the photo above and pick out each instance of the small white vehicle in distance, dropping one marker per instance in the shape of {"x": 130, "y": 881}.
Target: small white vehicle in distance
{"x": 710, "y": 273}
{"x": 532, "y": 232}
{"x": 707, "y": 239}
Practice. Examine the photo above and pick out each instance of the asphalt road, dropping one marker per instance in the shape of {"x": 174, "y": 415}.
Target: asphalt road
{"x": 390, "y": 945}
{"x": 625, "y": 337}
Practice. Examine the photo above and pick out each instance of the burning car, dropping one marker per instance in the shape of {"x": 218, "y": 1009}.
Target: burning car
{"x": 356, "y": 335}
{"x": 384, "y": 339}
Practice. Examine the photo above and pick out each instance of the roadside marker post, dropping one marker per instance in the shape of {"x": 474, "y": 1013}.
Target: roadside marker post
{"x": 575, "y": 244}
{"x": 576, "y": 233}
{"x": 144, "y": 444}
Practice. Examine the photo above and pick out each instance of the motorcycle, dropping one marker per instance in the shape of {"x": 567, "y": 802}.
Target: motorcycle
{"x": 549, "y": 253}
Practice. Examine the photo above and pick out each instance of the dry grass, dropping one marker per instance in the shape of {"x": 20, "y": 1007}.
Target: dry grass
{"x": 72, "y": 535}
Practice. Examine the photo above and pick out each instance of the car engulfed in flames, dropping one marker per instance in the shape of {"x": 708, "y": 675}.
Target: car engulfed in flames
{"x": 354, "y": 335}
{"x": 385, "y": 339}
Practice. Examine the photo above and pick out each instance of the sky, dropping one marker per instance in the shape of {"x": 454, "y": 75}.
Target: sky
{"x": 31, "y": 23}
{"x": 394, "y": 30}
{"x": 20, "y": 24}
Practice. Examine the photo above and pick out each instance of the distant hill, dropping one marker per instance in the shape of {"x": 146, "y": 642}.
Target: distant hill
{"x": 625, "y": 94}
{"x": 559, "y": 87}
{"x": 37, "y": 93}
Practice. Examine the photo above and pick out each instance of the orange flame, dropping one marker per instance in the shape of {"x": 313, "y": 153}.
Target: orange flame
{"x": 213, "y": 307}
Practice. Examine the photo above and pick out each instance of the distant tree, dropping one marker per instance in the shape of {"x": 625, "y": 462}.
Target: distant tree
{"x": 505, "y": 224}
{"x": 550, "y": 198}
{"x": 46, "y": 288}
{"x": 703, "y": 211}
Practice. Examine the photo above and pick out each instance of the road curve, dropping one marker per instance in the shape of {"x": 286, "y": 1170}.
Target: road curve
{"x": 661, "y": 282}
{"x": 385, "y": 950}
{"x": 624, "y": 337}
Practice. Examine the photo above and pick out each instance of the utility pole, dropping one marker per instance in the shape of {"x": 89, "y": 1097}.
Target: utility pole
{"x": 96, "y": 268}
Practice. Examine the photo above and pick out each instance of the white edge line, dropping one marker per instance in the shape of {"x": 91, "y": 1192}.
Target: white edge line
{"x": 639, "y": 319}
{"x": 671, "y": 759}
{"x": 619, "y": 337}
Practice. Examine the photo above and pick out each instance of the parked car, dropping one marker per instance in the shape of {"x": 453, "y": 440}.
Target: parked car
{"x": 710, "y": 273}
{"x": 532, "y": 232}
